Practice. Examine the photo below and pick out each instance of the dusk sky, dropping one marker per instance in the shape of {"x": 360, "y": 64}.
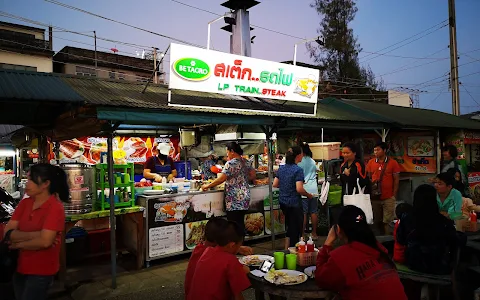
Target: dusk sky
{"x": 378, "y": 24}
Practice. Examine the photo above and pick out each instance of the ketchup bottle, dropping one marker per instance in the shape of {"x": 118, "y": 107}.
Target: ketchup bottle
{"x": 310, "y": 245}
{"x": 301, "y": 246}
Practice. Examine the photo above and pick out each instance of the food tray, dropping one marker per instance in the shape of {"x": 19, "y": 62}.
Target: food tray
{"x": 305, "y": 259}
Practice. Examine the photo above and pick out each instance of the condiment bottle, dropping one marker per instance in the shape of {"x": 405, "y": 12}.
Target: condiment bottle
{"x": 301, "y": 246}
{"x": 473, "y": 221}
{"x": 310, "y": 245}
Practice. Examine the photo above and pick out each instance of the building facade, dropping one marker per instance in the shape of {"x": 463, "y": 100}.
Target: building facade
{"x": 81, "y": 62}
{"x": 25, "y": 48}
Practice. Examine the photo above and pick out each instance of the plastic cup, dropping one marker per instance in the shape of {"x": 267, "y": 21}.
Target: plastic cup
{"x": 291, "y": 261}
{"x": 279, "y": 260}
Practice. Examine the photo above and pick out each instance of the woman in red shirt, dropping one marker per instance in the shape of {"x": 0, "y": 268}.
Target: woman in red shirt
{"x": 361, "y": 269}
{"x": 36, "y": 227}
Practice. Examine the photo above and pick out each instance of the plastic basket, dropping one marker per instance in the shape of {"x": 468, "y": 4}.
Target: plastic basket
{"x": 306, "y": 259}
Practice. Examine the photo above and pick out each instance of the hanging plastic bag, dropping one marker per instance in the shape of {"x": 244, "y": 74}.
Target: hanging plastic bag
{"x": 360, "y": 200}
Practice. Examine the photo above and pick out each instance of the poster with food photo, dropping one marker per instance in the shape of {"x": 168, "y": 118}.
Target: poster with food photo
{"x": 194, "y": 233}
{"x": 279, "y": 222}
{"x": 422, "y": 146}
{"x": 170, "y": 212}
{"x": 254, "y": 224}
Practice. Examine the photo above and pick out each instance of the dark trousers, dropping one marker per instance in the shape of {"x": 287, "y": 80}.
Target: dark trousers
{"x": 237, "y": 216}
{"x": 293, "y": 222}
{"x": 31, "y": 287}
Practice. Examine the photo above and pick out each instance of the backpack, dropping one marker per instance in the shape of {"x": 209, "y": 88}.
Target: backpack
{"x": 8, "y": 259}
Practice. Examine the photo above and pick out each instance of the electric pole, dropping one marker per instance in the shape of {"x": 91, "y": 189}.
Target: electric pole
{"x": 155, "y": 78}
{"x": 453, "y": 58}
{"x": 95, "y": 38}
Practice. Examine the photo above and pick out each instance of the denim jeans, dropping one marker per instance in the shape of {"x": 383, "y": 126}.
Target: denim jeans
{"x": 31, "y": 287}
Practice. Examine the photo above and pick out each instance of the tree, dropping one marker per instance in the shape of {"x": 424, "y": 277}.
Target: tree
{"x": 339, "y": 54}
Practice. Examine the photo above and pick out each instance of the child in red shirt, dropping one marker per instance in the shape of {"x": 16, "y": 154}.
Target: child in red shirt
{"x": 219, "y": 274}
{"x": 401, "y": 211}
{"x": 361, "y": 269}
{"x": 213, "y": 226}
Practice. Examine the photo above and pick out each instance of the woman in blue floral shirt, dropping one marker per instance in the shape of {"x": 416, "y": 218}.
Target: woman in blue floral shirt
{"x": 236, "y": 174}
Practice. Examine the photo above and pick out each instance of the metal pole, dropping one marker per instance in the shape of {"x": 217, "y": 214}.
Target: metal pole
{"x": 454, "y": 58}
{"x": 155, "y": 78}
{"x": 270, "y": 182}
{"x": 295, "y": 54}
{"x": 208, "y": 30}
{"x": 111, "y": 183}
{"x": 186, "y": 163}
{"x": 95, "y": 38}
{"x": 208, "y": 36}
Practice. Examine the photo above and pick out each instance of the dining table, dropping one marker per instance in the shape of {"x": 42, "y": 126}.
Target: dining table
{"x": 305, "y": 290}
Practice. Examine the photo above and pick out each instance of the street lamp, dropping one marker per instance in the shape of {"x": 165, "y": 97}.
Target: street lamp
{"x": 210, "y": 23}
{"x": 317, "y": 39}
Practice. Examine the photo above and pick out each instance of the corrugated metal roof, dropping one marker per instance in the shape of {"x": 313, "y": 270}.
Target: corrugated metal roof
{"x": 409, "y": 117}
{"x": 15, "y": 85}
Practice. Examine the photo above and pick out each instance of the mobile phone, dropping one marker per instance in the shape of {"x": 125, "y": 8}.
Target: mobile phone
{"x": 266, "y": 266}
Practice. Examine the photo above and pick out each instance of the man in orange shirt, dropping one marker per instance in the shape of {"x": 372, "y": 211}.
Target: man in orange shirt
{"x": 385, "y": 175}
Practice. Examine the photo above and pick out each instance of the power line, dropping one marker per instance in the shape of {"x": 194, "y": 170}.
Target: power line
{"x": 470, "y": 95}
{"x": 87, "y": 44}
{"x": 253, "y": 25}
{"x": 413, "y": 62}
{"x": 433, "y": 101}
{"x": 93, "y": 68}
{"x": 122, "y": 23}
{"x": 414, "y": 67}
{"x": 407, "y": 38}
{"x": 421, "y": 37}
{"x": 11, "y": 16}
{"x": 70, "y": 54}
{"x": 407, "y": 57}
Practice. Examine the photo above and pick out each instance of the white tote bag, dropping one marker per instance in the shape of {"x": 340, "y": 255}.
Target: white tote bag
{"x": 361, "y": 201}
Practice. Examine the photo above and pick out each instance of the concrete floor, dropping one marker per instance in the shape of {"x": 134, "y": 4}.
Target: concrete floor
{"x": 163, "y": 280}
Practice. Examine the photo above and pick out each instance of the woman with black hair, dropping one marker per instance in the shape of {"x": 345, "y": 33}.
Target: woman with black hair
{"x": 360, "y": 269}
{"x": 430, "y": 237}
{"x": 289, "y": 180}
{"x": 36, "y": 229}
{"x": 351, "y": 170}
{"x": 236, "y": 174}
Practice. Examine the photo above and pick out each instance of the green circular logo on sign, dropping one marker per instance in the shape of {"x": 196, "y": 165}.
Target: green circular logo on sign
{"x": 192, "y": 69}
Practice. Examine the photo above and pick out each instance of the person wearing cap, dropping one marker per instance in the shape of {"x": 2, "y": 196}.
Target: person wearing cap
{"x": 160, "y": 164}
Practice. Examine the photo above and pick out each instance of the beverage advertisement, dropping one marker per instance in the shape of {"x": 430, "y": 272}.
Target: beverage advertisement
{"x": 88, "y": 150}
{"x": 414, "y": 152}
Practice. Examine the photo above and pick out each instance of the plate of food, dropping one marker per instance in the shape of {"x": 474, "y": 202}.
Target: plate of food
{"x": 255, "y": 260}
{"x": 285, "y": 277}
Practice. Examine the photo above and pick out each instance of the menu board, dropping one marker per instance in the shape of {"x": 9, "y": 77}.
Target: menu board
{"x": 414, "y": 152}
{"x": 89, "y": 150}
{"x": 165, "y": 240}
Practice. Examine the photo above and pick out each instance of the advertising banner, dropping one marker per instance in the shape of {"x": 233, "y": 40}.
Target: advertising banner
{"x": 414, "y": 153}
{"x": 211, "y": 71}
{"x": 89, "y": 150}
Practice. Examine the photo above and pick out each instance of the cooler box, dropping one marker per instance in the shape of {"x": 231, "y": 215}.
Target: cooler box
{"x": 325, "y": 151}
{"x": 180, "y": 167}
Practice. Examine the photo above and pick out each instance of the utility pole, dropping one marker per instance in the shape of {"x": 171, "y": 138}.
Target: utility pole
{"x": 155, "y": 78}
{"x": 95, "y": 38}
{"x": 453, "y": 58}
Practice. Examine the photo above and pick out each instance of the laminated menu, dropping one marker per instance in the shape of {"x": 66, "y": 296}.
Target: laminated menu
{"x": 165, "y": 240}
